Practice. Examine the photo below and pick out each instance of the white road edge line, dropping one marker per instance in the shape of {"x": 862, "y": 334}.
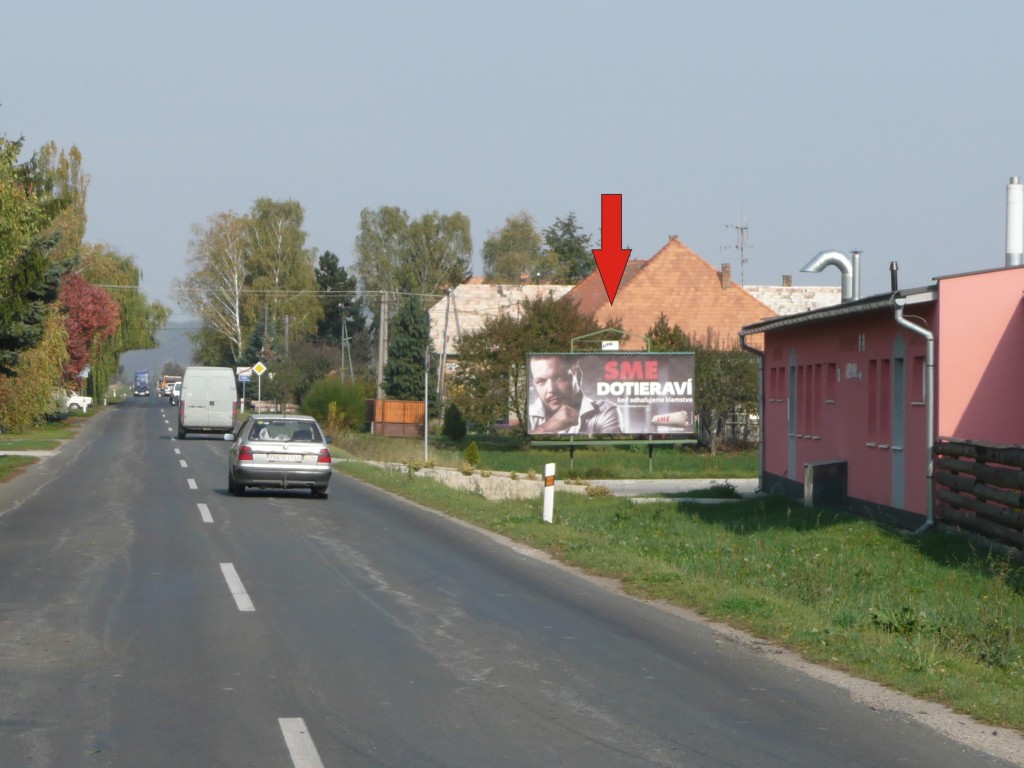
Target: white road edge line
{"x": 204, "y": 511}
{"x": 299, "y": 742}
{"x": 237, "y": 590}
{"x": 192, "y": 484}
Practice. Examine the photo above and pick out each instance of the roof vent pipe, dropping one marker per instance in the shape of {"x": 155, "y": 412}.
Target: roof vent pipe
{"x": 894, "y": 276}
{"x": 846, "y": 267}
{"x": 1014, "y": 222}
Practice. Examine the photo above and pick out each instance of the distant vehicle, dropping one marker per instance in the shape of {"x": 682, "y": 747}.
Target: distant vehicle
{"x": 175, "y": 392}
{"x": 166, "y": 384}
{"x": 279, "y": 452}
{"x": 141, "y": 388}
{"x": 76, "y": 402}
{"x": 209, "y": 400}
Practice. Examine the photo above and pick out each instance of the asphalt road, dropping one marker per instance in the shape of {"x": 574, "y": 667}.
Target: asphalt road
{"x": 148, "y": 618}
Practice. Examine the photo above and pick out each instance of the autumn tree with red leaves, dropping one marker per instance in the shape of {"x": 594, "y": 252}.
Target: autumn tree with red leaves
{"x": 91, "y": 316}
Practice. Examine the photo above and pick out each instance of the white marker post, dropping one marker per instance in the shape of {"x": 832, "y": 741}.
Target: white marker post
{"x": 549, "y": 493}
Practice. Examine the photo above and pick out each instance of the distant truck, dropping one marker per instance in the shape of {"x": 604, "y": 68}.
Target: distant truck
{"x": 167, "y": 384}
{"x": 141, "y": 388}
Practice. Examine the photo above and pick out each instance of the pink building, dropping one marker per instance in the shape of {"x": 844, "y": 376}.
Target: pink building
{"x": 853, "y": 386}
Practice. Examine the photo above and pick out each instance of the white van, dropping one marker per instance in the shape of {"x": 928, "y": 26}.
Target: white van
{"x": 209, "y": 400}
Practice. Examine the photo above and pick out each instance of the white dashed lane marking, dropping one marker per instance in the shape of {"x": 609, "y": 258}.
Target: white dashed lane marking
{"x": 204, "y": 512}
{"x": 300, "y": 743}
{"x": 192, "y": 484}
{"x": 238, "y": 592}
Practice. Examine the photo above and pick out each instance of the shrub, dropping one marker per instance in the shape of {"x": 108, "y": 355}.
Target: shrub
{"x": 472, "y": 454}
{"x": 336, "y": 404}
{"x": 454, "y": 427}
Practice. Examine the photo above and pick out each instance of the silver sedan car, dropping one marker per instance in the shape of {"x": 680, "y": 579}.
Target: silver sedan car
{"x": 279, "y": 452}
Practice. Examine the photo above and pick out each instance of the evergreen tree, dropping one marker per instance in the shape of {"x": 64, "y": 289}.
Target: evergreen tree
{"x": 339, "y": 299}
{"x": 409, "y": 341}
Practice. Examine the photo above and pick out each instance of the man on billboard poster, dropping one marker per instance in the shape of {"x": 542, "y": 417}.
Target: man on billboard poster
{"x": 561, "y": 407}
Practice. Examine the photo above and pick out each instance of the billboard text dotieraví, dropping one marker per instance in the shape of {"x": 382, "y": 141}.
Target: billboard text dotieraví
{"x": 621, "y": 393}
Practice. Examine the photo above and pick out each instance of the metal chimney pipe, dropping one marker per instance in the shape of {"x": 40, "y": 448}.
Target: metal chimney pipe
{"x": 834, "y": 259}
{"x": 894, "y": 278}
{"x": 1014, "y": 222}
{"x": 856, "y": 274}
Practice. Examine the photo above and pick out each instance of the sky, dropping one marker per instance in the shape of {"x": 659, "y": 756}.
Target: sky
{"x": 891, "y": 127}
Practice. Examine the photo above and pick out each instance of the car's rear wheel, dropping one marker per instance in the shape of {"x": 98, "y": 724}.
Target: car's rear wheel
{"x": 74, "y": 407}
{"x": 181, "y": 433}
{"x": 319, "y": 493}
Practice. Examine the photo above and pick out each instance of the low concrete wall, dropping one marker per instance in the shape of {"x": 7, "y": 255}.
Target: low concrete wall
{"x": 497, "y": 485}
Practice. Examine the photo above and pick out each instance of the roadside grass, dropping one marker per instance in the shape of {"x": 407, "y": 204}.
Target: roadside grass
{"x": 929, "y": 615}
{"x": 43, "y": 438}
{"x": 11, "y": 465}
{"x": 27, "y": 444}
{"x": 506, "y": 454}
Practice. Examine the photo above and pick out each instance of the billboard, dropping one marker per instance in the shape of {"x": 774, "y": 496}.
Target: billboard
{"x": 619, "y": 393}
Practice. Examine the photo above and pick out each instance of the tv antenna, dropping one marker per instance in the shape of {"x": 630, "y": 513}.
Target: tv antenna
{"x": 741, "y": 244}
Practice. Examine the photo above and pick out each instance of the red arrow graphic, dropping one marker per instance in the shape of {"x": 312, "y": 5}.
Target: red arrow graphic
{"x": 611, "y": 257}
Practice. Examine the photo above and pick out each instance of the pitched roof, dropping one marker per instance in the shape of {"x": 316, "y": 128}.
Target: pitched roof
{"x": 691, "y": 293}
{"x": 474, "y": 303}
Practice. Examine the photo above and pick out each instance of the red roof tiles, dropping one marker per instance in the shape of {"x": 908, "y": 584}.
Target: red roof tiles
{"x": 680, "y": 284}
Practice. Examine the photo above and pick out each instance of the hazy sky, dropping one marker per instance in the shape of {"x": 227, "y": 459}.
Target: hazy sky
{"x": 887, "y": 127}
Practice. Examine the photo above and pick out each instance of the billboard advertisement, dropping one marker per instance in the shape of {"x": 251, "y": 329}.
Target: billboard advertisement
{"x": 618, "y": 393}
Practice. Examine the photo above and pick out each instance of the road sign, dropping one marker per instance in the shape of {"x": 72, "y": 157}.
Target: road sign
{"x": 259, "y": 369}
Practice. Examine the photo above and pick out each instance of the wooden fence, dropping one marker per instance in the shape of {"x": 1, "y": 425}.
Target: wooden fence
{"x": 979, "y": 488}
{"x": 396, "y": 418}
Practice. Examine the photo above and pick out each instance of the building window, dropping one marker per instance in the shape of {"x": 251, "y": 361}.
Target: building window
{"x": 917, "y": 393}
{"x": 818, "y": 389}
{"x": 879, "y": 402}
{"x": 885, "y": 401}
{"x": 872, "y": 401}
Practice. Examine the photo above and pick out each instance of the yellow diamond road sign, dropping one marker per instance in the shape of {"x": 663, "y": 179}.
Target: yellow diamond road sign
{"x": 259, "y": 369}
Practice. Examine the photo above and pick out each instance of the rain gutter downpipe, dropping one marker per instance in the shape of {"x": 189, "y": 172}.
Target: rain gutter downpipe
{"x": 760, "y": 409}
{"x": 929, "y": 398}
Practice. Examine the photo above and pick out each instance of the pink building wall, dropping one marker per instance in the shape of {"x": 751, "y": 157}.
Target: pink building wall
{"x": 981, "y": 357}
{"x": 845, "y": 407}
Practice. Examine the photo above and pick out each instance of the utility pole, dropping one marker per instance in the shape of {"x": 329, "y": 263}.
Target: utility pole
{"x": 346, "y": 350}
{"x": 382, "y": 344}
{"x": 444, "y": 355}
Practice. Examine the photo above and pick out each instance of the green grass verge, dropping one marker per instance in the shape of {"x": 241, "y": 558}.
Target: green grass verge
{"x": 11, "y": 465}
{"x": 928, "y": 615}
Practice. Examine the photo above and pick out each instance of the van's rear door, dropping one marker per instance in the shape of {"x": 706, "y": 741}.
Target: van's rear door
{"x": 196, "y": 400}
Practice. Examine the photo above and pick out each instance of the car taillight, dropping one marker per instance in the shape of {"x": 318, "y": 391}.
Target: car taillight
{"x": 245, "y": 453}
{"x": 324, "y": 457}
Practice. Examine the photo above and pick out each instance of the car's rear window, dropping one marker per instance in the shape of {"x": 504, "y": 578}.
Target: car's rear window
{"x": 281, "y": 430}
